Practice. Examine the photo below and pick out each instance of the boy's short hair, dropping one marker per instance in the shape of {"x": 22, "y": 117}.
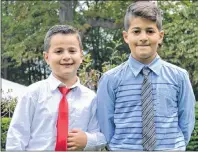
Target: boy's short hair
{"x": 144, "y": 9}
{"x": 64, "y": 29}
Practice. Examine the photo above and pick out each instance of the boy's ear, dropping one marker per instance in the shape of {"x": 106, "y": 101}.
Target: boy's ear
{"x": 161, "y": 37}
{"x": 82, "y": 56}
{"x": 45, "y": 56}
{"x": 81, "y": 53}
{"x": 125, "y": 36}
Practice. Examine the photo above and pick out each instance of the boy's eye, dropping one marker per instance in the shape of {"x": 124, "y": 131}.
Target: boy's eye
{"x": 72, "y": 51}
{"x": 136, "y": 31}
{"x": 150, "y": 31}
{"x": 58, "y": 51}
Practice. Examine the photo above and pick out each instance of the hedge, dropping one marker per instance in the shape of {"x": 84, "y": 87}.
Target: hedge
{"x": 5, "y": 122}
{"x": 192, "y": 146}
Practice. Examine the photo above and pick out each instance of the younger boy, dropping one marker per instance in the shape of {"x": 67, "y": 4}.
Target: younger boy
{"x": 41, "y": 120}
{"x": 145, "y": 103}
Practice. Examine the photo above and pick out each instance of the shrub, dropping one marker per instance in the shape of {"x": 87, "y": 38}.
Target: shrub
{"x": 5, "y": 122}
{"x": 193, "y": 144}
{"x": 8, "y": 104}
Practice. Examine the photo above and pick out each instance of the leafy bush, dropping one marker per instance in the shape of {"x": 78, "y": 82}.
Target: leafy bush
{"x": 89, "y": 76}
{"x": 8, "y": 104}
{"x": 5, "y": 122}
{"x": 193, "y": 144}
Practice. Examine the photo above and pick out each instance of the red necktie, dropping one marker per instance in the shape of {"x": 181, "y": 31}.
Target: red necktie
{"x": 62, "y": 122}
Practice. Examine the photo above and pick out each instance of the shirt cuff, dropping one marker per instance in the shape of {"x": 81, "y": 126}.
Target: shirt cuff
{"x": 91, "y": 142}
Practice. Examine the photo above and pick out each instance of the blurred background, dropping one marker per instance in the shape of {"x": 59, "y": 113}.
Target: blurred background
{"x": 25, "y": 23}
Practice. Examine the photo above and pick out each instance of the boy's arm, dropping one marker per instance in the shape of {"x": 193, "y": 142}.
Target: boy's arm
{"x": 105, "y": 107}
{"x": 95, "y": 139}
{"x": 186, "y": 105}
{"x": 19, "y": 130}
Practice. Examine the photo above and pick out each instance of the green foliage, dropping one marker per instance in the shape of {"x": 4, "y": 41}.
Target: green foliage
{"x": 111, "y": 10}
{"x": 88, "y": 76}
{"x": 193, "y": 144}
{"x": 180, "y": 45}
{"x": 116, "y": 58}
{"x": 24, "y": 24}
{"x": 5, "y": 122}
{"x": 8, "y": 104}
{"x": 24, "y": 32}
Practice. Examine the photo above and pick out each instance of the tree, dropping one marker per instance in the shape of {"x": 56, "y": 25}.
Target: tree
{"x": 180, "y": 45}
{"x": 25, "y": 23}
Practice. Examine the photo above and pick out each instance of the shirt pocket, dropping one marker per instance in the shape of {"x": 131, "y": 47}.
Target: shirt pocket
{"x": 79, "y": 117}
{"x": 166, "y": 104}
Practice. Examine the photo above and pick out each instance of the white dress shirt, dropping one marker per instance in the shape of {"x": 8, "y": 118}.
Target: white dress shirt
{"x": 33, "y": 125}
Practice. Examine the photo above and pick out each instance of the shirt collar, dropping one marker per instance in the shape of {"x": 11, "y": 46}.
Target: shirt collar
{"x": 55, "y": 83}
{"x": 137, "y": 66}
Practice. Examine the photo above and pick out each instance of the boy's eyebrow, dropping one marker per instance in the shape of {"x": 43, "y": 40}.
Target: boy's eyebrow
{"x": 136, "y": 28}
{"x": 59, "y": 48}
{"x": 71, "y": 47}
{"x": 148, "y": 28}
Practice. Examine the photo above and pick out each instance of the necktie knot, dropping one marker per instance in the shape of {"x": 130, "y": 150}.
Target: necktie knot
{"x": 146, "y": 71}
{"x": 64, "y": 90}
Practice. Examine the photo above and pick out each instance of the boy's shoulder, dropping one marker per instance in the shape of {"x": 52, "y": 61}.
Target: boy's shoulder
{"x": 86, "y": 94}
{"x": 173, "y": 67}
{"x": 175, "y": 71}
{"x": 114, "y": 76}
{"x": 86, "y": 90}
{"x": 116, "y": 71}
{"x": 38, "y": 84}
{"x": 36, "y": 88}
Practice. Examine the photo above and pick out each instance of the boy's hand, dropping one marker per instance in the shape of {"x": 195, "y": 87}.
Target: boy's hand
{"x": 77, "y": 140}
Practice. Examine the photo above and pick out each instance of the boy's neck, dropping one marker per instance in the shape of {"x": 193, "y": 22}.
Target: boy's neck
{"x": 145, "y": 61}
{"x": 70, "y": 81}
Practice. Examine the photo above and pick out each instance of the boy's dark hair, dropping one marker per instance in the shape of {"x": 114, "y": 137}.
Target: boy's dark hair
{"x": 63, "y": 29}
{"x": 144, "y": 9}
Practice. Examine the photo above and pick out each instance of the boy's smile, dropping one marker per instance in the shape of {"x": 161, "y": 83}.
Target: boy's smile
{"x": 64, "y": 56}
{"x": 143, "y": 38}
{"x": 67, "y": 65}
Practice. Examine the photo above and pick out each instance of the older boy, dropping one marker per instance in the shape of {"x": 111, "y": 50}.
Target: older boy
{"x": 145, "y": 103}
{"x": 53, "y": 107}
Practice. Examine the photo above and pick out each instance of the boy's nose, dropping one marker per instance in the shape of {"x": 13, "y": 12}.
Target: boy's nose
{"x": 143, "y": 37}
{"x": 66, "y": 55}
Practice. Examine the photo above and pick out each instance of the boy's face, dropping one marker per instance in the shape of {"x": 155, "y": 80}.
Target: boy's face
{"x": 143, "y": 38}
{"x": 64, "y": 56}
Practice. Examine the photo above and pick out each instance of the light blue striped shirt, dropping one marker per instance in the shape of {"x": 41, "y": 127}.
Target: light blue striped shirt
{"x": 119, "y": 105}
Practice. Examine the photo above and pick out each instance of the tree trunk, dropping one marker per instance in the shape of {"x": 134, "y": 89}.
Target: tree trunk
{"x": 66, "y": 12}
{"x": 105, "y": 23}
{"x": 5, "y": 59}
